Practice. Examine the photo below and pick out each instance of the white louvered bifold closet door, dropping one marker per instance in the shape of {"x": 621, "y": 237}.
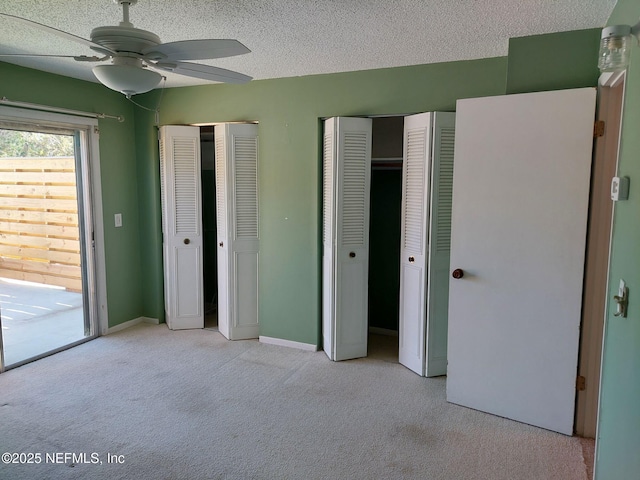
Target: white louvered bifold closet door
{"x": 424, "y": 252}
{"x": 182, "y": 226}
{"x": 413, "y": 244}
{"x": 347, "y": 179}
{"x": 238, "y": 237}
{"x": 439, "y": 243}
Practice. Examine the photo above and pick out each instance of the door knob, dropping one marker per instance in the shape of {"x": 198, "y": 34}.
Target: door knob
{"x": 457, "y": 273}
{"x": 222, "y": 244}
{"x": 412, "y": 259}
{"x": 187, "y": 241}
{"x": 352, "y": 254}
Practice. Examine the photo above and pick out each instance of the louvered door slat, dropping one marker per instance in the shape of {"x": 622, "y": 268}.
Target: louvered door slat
{"x": 221, "y": 171}
{"x": 246, "y": 186}
{"x": 442, "y": 213}
{"x": 414, "y": 191}
{"x": 185, "y": 185}
{"x": 327, "y": 187}
{"x": 163, "y": 181}
{"x": 354, "y": 197}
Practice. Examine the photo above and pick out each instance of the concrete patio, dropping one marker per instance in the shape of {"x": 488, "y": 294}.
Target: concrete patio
{"x": 37, "y": 319}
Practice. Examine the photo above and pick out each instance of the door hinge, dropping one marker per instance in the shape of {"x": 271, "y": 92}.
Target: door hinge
{"x": 96, "y": 130}
{"x": 598, "y": 129}
{"x": 581, "y": 383}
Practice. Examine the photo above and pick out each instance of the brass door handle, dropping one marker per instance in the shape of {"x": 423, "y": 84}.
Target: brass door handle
{"x": 352, "y": 254}
{"x": 187, "y": 241}
{"x": 221, "y": 244}
{"x": 412, "y": 259}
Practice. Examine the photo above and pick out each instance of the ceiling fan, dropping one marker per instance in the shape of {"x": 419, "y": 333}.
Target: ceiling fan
{"x": 135, "y": 54}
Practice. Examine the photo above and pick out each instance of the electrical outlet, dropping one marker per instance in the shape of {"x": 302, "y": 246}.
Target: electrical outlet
{"x": 118, "y": 219}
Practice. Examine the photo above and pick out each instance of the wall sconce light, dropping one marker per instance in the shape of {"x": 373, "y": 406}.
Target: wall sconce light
{"x": 615, "y": 47}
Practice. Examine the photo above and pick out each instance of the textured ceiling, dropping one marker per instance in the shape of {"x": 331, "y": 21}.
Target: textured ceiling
{"x": 302, "y": 37}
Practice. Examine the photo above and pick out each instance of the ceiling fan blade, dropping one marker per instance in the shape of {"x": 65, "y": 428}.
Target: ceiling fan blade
{"x": 195, "y": 50}
{"x": 205, "y": 72}
{"x": 60, "y": 33}
{"x": 78, "y": 58}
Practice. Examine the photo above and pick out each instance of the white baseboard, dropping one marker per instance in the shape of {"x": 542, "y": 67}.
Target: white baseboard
{"x": 383, "y": 331}
{"x": 131, "y": 323}
{"x": 288, "y": 343}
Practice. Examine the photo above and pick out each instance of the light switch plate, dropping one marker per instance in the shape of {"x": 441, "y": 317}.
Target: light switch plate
{"x": 118, "y": 219}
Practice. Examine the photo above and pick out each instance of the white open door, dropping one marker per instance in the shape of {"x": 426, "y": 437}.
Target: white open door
{"x": 520, "y": 204}
{"x": 425, "y": 239}
{"x": 236, "y": 151}
{"x": 181, "y": 226}
{"x": 345, "y": 257}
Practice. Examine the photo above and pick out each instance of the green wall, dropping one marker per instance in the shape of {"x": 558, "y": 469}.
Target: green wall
{"x": 553, "y": 61}
{"x": 288, "y": 111}
{"x": 618, "y": 443}
{"x": 150, "y": 215}
{"x": 118, "y": 172}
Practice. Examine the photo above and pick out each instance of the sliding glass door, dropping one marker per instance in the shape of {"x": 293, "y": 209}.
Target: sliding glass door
{"x": 47, "y": 294}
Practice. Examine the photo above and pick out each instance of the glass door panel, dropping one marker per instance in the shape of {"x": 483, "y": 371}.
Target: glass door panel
{"x": 43, "y": 299}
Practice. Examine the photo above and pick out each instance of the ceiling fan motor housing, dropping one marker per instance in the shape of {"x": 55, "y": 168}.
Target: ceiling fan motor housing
{"x": 124, "y": 39}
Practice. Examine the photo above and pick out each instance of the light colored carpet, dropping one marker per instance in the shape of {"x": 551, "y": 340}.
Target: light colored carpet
{"x": 192, "y": 405}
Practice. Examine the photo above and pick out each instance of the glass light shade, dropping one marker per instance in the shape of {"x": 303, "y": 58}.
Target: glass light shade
{"x": 615, "y": 48}
{"x": 127, "y": 79}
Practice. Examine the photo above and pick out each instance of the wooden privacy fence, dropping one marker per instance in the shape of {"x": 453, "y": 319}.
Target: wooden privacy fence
{"x": 39, "y": 235}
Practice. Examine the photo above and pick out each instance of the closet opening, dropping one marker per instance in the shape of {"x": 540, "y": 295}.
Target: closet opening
{"x": 210, "y": 250}
{"x": 384, "y": 237}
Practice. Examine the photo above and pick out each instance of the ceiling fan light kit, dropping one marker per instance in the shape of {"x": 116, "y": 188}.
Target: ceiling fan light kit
{"x": 127, "y": 75}
{"x": 134, "y": 53}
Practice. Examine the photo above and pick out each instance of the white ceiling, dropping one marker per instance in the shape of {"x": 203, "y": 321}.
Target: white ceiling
{"x": 303, "y": 37}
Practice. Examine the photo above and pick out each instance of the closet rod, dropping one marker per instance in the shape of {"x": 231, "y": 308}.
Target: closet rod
{"x": 46, "y": 108}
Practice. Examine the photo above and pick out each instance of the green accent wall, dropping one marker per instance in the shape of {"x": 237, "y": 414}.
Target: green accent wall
{"x": 150, "y": 215}
{"x": 118, "y": 172}
{"x": 288, "y": 111}
{"x": 553, "y": 61}
{"x": 618, "y": 443}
